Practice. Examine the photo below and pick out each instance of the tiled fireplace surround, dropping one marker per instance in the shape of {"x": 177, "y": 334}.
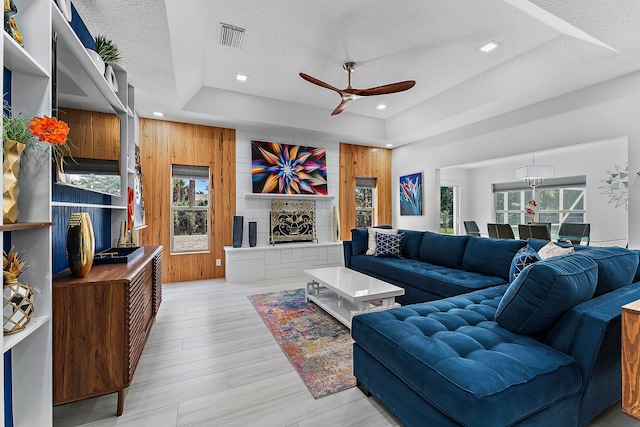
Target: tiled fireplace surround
{"x": 266, "y": 261}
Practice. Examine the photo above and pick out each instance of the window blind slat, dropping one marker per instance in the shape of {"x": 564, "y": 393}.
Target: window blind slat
{"x": 563, "y": 181}
{"x": 189, "y": 172}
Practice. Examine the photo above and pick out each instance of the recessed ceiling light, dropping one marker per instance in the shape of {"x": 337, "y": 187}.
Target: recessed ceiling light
{"x": 389, "y": 145}
{"x": 381, "y": 107}
{"x": 158, "y": 114}
{"x": 242, "y": 77}
{"x": 490, "y": 46}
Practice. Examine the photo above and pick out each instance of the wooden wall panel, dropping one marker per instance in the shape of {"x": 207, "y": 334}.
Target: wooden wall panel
{"x": 369, "y": 162}
{"x": 93, "y": 135}
{"x": 163, "y": 144}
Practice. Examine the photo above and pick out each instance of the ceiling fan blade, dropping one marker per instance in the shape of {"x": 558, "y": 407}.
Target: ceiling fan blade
{"x": 340, "y": 107}
{"x": 319, "y": 82}
{"x": 383, "y": 90}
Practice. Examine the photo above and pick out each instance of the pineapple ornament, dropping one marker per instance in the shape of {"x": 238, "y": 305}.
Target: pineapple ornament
{"x": 17, "y": 296}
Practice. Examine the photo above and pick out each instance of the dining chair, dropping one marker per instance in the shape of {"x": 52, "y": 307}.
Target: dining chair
{"x": 535, "y": 231}
{"x": 500, "y": 231}
{"x": 471, "y": 228}
{"x": 575, "y": 232}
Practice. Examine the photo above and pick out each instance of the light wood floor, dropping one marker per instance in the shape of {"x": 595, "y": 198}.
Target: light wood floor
{"x": 211, "y": 361}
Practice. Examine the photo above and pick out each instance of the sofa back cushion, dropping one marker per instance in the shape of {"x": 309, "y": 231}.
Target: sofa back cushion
{"x": 616, "y": 267}
{"x": 443, "y": 249}
{"x": 411, "y": 242}
{"x": 359, "y": 241}
{"x": 545, "y": 290}
{"x": 491, "y": 257}
{"x": 636, "y": 278}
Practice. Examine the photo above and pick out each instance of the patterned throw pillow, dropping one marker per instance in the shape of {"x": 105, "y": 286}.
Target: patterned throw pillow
{"x": 388, "y": 245}
{"x": 524, "y": 257}
{"x": 551, "y": 249}
{"x": 373, "y": 232}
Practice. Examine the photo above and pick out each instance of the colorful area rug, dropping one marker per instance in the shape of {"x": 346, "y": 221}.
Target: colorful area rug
{"x": 318, "y": 346}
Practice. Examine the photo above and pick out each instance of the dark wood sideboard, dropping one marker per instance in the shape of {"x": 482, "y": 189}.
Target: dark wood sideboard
{"x": 100, "y": 326}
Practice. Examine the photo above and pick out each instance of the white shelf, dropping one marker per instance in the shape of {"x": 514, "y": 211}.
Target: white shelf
{"x": 87, "y": 205}
{"x": 285, "y": 196}
{"x": 71, "y": 41}
{"x": 10, "y": 341}
{"x": 18, "y": 60}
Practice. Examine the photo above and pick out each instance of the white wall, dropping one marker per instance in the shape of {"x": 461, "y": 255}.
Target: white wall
{"x": 602, "y": 112}
{"x": 258, "y": 209}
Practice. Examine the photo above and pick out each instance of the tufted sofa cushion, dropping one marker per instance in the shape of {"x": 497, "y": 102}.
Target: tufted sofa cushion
{"x": 437, "y": 280}
{"x": 459, "y": 360}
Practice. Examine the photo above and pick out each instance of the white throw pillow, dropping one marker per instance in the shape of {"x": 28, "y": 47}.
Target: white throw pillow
{"x": 371, "y": 247}
{"x": 551, "y": 249}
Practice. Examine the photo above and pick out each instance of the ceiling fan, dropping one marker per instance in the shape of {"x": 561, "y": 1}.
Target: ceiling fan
{"x": 350, "y": 93}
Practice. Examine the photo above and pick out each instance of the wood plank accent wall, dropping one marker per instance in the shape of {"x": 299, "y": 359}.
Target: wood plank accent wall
{"x": 93, "y": 135}
{"x": 165, "y": 143}
{"x": 367, "y": 162}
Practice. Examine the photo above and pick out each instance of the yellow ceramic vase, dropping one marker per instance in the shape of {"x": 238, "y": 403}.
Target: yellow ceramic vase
{"x": 80, "y": 244}
{"x": 10, "y": 188}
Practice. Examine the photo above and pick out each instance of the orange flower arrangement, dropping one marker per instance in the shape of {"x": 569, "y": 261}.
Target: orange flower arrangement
{"x": 49, "y": 129}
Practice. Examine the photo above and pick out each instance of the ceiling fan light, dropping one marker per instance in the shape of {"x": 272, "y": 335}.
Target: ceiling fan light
{"x": 158, "y": 114}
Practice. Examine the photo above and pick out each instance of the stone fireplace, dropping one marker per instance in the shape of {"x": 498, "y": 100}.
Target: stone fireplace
{"x": 292, "y": 221}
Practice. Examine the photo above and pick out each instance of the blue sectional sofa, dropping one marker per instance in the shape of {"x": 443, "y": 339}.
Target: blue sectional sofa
{"x": 541, "y": 350}
{"x": 435, "y": 266}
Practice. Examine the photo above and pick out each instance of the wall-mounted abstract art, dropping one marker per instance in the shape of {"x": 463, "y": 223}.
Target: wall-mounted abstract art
{"x": 288, "y": 169}
{"x": 411, "y": 194}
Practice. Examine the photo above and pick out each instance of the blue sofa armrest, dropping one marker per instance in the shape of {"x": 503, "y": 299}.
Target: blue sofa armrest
{"x": 347, "y": 246}
{"x": 590, "y": 333}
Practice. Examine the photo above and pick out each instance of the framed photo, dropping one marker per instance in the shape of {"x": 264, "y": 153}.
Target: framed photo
{"x": 288, "y": 169}
{"x": 411, "y": 194}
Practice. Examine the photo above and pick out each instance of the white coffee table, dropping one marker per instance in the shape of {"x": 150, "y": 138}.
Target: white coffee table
{"x": 343, "y": 292}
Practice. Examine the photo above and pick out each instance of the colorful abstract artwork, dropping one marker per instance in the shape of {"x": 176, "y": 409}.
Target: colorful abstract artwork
{"x": 411, "y": 194}
{"x": 288, "y": 169}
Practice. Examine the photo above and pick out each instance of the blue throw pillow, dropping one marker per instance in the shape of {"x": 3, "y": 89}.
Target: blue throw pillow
{"x": 388, "y": 245}
{"x": 545, "y": 290}
{"x": 524, "y": 257}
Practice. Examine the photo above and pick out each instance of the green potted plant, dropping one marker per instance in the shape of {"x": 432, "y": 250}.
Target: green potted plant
{"x": 107, "y": 49}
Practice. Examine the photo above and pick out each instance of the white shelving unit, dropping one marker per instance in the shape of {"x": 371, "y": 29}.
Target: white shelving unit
{"x": 31, "y": 93}
{"x": 30, "y": 90}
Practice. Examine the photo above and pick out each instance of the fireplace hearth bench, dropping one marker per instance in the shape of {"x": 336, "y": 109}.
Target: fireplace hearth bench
{"x": 542, "y": 350}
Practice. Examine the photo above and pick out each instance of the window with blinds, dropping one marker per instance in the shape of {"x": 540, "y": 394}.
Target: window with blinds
{"x": 365, "y": 202}
{"x": 559, "y": 200}
{"x": 190, "y": 209}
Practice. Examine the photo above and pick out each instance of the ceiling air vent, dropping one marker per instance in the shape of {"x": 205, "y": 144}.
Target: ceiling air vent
{"x": 230, "y": 36}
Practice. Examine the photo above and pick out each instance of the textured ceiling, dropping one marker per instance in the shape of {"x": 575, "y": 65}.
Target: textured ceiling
{"x": 171, "y": 53}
